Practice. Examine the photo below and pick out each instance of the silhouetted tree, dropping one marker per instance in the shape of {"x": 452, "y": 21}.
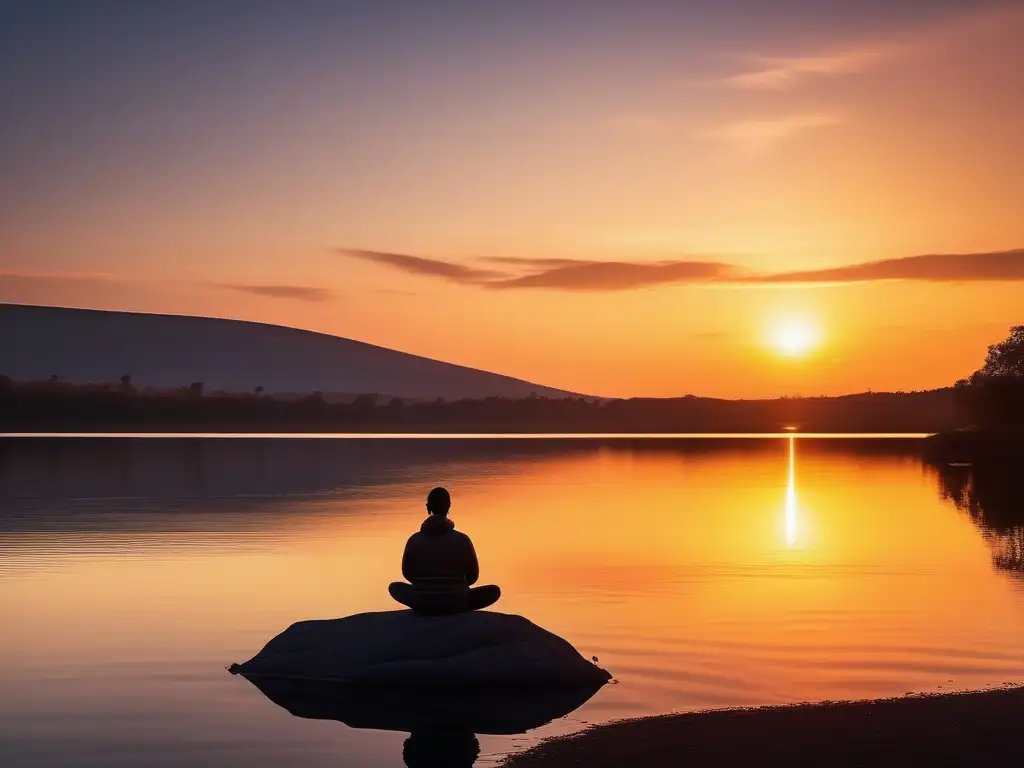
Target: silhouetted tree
{"x": 1006, "y": 359}
{"x": 126, "y": 383}
{"x": 257, "y": 390}
{"x": 195, "y": 389}
{"x": 365, "y": 401}
{"x": 993, "y": 395}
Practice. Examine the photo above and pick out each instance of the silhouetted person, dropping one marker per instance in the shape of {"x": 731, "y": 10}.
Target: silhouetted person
{"x": 441, "y": 566}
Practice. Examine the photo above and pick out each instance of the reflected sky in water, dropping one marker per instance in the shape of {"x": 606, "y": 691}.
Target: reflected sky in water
{"x": 702, "y": 573}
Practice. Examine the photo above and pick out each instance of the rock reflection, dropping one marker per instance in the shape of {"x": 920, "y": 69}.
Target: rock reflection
{"x": 442, "y": 724}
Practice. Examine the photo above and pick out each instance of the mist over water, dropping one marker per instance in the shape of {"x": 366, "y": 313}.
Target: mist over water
{"x": 702, "y": 573}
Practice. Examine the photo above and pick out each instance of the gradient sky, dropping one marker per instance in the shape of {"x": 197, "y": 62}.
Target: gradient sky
{"x": 614, "y": 198}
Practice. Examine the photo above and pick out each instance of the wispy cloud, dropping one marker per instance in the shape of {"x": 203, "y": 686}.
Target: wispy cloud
{"x": 54, "y": 280}
{"x": 1001, "y": 266}
{"x": 299, "y": 292}
{"x": 777, "y": 73}
{"x": 781, "y": 73}
{"x": 419, "y": 265}
{"x": 760, "y": 135}
{"x": 563, "y": 274}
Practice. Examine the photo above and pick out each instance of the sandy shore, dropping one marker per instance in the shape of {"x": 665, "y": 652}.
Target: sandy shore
{"x": 970, "y": 729}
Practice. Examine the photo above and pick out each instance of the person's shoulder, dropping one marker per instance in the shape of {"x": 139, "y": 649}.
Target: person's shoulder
{"x": 464, "y": 537}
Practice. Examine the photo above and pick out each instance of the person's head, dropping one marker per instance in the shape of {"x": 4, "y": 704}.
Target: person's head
{"x": 438, "y": 502}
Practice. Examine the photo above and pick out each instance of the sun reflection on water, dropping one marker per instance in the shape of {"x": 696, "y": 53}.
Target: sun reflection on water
{"x": 791, "y": 510}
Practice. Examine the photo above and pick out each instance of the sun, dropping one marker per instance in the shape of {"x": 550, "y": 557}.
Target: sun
{"x": 793, "y": 337}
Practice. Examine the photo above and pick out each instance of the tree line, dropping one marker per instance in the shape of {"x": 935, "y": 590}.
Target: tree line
{"x": 57, "y": 406}
{"x": 991, "y": 397}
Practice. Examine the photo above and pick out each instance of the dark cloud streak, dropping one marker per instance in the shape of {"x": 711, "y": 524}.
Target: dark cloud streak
{"x": 590, "y": 275}
{"x": 543, "y": 263}
{"x": 419, "y": 265}
{"x": 555, "y": 273}
{"x": 619, "y": 275}
{"x": 299, "y": 292}
{"x": 997, "y": 266}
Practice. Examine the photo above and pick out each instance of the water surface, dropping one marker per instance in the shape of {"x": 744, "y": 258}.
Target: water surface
{"x": 702, "y": 573}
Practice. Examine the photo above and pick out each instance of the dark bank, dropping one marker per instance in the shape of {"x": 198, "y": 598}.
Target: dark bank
{"x": 971, "y": 729}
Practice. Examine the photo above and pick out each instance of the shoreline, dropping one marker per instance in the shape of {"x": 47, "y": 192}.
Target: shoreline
{"x": 971, "y": 728}
{"x": 321, "y": 434}
{"x": 974, "y": 445}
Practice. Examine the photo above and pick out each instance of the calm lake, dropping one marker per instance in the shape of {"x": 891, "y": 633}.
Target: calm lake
{"x": 702, "y": 573}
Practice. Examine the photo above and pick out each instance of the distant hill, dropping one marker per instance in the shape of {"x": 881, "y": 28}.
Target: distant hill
{"x": 166, "y": 351}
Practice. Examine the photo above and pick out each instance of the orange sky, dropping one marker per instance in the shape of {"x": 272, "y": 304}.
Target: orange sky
{"x": 289, "y": 182}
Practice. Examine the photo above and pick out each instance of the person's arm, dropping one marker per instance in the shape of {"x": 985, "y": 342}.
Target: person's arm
{"x": 407, "y": 561}
{"x": 472, "y": 564}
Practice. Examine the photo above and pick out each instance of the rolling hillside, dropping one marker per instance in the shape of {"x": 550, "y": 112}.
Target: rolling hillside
{"x": 162, "y": 351}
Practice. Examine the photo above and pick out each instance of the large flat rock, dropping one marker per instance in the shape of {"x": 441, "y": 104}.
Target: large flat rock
{"x": 401, "y": 648}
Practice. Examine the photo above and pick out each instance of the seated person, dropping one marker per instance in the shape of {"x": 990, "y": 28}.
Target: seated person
{"x": 441, "y": 566}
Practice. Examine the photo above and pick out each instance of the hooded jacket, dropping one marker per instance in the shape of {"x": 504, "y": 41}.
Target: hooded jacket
{"x": 438, "y": 551}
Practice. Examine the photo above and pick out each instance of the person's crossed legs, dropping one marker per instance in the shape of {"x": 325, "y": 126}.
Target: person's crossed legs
{"x": 473, "y": 599}
{"x": 482, "y": 597}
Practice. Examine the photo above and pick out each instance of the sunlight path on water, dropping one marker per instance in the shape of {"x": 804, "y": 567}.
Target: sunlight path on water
{"x": 791, "y": 511}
